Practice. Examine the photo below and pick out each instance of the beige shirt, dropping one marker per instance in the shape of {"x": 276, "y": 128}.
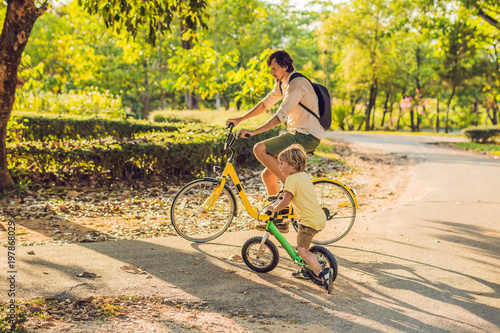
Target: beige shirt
{"x": 299, "y": 119}
{"x": 304, "y": 200}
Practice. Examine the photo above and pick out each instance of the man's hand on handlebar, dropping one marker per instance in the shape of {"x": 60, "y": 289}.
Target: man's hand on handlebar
{"x": 236, "y": 121}
{"x": 244, "y": 133}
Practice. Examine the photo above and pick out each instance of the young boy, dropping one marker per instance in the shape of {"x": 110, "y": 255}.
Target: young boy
{"x": 299, "y": 191}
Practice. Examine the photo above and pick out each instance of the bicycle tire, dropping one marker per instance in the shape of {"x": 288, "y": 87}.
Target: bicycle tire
{"x": 201, "y": 227}
{"x": 269, "y": 259}
{"x": 325, "y": 259}
{"x": 339, "y": 206}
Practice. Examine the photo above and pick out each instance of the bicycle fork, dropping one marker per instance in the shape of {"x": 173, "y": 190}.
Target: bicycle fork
{"x": 262, "y": 248}
{"x": 271, "y": 229}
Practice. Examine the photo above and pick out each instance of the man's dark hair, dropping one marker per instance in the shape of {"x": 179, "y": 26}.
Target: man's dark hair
{"x": 283, "y": 59}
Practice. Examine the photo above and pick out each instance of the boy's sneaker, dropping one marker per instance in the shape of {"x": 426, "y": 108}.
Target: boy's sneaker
{"x": 327, "y": 275}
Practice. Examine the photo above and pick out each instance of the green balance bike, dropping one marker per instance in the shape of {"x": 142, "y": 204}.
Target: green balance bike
{"x": 261, "y": 255}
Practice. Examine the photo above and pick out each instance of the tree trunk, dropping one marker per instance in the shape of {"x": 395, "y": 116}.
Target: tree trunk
{"x": 145, "y": 96}
{"x": 419, "y": 118}
{"x": 446, "y": 126}
{"x": 20, "y": 17}
{"x": 475, "y": 109}
{"x": 385, "y": 109}
{"x": 415, "y": 127}
{"x": 494, "y": 111}
{"x": 189, "y": 97}
{"x": 391, "y": 109}
{"x": 371, "y": 105}
{"x": 412, "y": 119}
{"x": 437, "y": 116}
{"x": 403, "y": 92}
{"x": 160, "y": 72}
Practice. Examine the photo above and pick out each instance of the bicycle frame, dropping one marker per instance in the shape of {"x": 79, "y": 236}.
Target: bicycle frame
{"x": 271, "y": 229}
{"x": 229, "y": 171}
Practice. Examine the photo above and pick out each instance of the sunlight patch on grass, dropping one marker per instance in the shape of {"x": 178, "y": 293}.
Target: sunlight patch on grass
{"x": 327, "y": 149}
{"x": 218, "y": 118}
{"x": 410, "y": 133}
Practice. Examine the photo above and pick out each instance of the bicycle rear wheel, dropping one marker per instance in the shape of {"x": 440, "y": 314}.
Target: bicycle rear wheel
{"x": 326, "y": 259}
{"x": 198, "y": 226}
{"x": 339, "y": 207}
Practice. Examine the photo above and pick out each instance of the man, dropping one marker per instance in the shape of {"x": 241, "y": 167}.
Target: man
{"x": 303, "y": 128}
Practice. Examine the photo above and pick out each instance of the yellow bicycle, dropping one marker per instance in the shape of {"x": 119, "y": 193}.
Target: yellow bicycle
{"x": 203, "y": 209}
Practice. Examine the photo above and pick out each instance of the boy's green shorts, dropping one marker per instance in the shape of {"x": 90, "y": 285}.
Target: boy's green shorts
{"x": 275, "y": 145}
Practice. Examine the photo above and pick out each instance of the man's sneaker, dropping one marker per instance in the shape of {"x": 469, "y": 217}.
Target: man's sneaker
{"x": 300, "y": 274}
{"x": 282, "y": 227}
{"x": 260, "y": 227}
{"x": 273, "y": 198}
{"x": 327, "y": 275}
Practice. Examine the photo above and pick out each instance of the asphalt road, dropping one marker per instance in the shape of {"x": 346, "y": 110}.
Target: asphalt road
{"x": 435, "y": 258}
{"x": 429, "y": 264}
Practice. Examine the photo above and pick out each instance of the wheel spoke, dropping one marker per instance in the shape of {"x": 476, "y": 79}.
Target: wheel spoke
{"x": 193, "y": 221}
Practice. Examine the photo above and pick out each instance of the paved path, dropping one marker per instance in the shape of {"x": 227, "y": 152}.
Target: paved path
{"x": 429, "y": 264}
{"x": 432, "y": 263}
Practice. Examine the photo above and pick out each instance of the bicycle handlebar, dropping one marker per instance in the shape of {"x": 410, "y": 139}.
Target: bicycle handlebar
{"x": 231, "y": 137}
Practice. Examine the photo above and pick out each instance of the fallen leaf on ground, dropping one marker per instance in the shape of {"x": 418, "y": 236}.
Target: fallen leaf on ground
{"x": 35, "y": 309}
{"x": 132, "y": 269}
{"x": 30, "y": 252}
{"x": 229, "y": 271}
{"x": 87, "y": 274}
{"x": 124, "y": 196}
{"x": 235, "y": 257}
{"x": 72, "y": 194}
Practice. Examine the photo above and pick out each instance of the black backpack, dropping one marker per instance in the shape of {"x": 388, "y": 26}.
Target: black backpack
{"x": 324, "y": 102}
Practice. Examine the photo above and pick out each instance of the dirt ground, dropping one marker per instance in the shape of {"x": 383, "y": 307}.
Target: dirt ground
{"x": 59, "y": 215}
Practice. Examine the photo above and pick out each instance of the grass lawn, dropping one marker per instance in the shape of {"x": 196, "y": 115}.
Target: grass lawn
{"x": 217, "y": 118}
{"x": 490, "y": 149}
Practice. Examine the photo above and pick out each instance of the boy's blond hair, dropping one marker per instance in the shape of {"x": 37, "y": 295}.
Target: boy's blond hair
{"x": 295, "y": 156}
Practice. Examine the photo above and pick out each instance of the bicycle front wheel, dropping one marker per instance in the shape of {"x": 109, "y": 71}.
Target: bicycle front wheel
{"x": 262, "y": 262}
{"x": 188, "y": 217}
{"x": 339, "y": 207}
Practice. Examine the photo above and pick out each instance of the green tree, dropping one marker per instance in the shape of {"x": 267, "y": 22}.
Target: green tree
{"x": 457, "y": 49}
{"x": 21, "y": 15}
{"x": 363, "y": 28}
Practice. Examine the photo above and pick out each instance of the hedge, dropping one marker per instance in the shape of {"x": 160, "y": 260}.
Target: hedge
{"x": 161, "y": 156}
{"x": 481, "y": 134}
{"x": 48, "y": 128}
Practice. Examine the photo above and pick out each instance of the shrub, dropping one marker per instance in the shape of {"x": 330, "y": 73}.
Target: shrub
{"x": 166, "y": 117}
{"x": 188, "y": 153}
{"x": 87, "y": 102}
{"x": 47, "y": 128}
{"x": 481, "y": 134}
{"x": 340, "y": 113}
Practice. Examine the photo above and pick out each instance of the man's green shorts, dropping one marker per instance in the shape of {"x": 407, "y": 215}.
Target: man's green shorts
{"x": 275, "y": 145}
